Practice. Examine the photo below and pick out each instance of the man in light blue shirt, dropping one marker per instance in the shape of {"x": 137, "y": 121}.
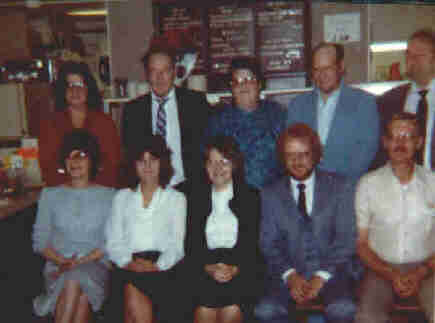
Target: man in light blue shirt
{"x": 346, "y": 118}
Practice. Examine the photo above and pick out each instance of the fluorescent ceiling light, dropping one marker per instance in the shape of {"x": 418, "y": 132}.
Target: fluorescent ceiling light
{"x": 388, "y": 46}
{"x": 88, "y": 12}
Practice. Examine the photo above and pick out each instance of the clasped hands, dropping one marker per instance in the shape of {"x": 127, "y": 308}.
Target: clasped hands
{"x": 221, "y": 272}
{"x": 68, "y": 264}
{"x": 302, "y": 290}
{"x": 408, "y": 284}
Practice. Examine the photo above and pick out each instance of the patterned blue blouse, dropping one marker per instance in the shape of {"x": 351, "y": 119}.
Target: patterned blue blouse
{"x": 256, "y": 133}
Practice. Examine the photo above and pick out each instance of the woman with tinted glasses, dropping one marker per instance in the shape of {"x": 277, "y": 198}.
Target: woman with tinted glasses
{"x": 223, "y": 237}
{"x": 145, "y": 235}
{"x": 78, "y": 105}
{"x": 254, "y": 123}
{"x": 69, "y": 234}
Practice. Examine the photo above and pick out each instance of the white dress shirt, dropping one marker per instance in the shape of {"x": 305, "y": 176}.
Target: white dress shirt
{"x": 326, "y": 113}
{"x": 399, "y": 217}
{"x": 411, "y": 106}
{"x": 160, "y": 226}
{"x": 173, "y": 133}
{"x": 222, "y": 226}
{"x": 309, "y": 195}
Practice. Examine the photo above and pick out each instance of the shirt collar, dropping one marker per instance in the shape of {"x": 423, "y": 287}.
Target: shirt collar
{"x": 169, "y": 96}
{"x": 333, "y": 96}
{"x": 415, "y": 88}
{"x": 226, "y": 194}
{"x": 309, "y": 182}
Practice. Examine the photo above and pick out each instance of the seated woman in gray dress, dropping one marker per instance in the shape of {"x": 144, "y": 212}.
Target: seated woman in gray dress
{"x": 223, "y": 237}
{"x": 69, "y": 234}
{"x": 145, "y": 236}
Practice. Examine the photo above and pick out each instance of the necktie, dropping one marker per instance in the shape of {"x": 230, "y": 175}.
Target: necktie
{"x": 161, "y": 117}
{"x": 302, "y": 203}
{"x": 422, "y": 111}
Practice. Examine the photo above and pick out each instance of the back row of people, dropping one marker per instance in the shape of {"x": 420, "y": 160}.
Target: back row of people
{"x": 350, "y": 145}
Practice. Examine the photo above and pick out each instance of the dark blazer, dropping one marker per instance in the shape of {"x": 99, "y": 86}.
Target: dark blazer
{"x": 193, "y": 113}
{"x": 333, "y": 217}
{"x": 389, "y": 103}
{"x": 246, "y": 207}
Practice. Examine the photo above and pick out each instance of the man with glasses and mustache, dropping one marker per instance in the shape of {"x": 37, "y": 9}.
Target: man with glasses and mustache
{"x": 255, "y": 124}
{"x": 395, "y": 209}
{"x": 345, "y": 118}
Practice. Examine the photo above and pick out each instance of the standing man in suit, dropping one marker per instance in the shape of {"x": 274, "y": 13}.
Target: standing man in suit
{"x": 307, "y": 233}
{"x": 345, "y": 118}
{"x": 395, "y": 208}
{"x": 416, "y": 97}
{"x": 178, "y": 114}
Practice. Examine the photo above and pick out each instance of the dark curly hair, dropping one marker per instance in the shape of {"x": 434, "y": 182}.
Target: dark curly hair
{"x": 247, "y": 63}
{"x": 94, "y": 102}
{"x": 81, "y": 140}
{"x": 156, "y": 146}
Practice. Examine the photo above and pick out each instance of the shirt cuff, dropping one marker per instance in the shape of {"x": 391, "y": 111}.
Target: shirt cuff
{"x": 323, "y": 274}
{"x": 122, "y": 261}
{"x": 287, "y": 273}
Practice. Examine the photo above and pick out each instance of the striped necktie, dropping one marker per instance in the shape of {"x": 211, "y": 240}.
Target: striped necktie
{"x": 161, "y": 117}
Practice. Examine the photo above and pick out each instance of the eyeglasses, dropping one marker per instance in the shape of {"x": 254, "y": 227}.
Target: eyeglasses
{"x": 324, "y": 69}
{"x": 220, "y": 163}
{"x": 77, "y": 84}
{"x": 77, "y": 155}
{"x": 242, "y": 80}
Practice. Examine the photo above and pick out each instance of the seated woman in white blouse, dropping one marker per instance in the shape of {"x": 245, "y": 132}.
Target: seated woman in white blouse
{"x": 145, "y": 234}
{"x": 223, "y": 237}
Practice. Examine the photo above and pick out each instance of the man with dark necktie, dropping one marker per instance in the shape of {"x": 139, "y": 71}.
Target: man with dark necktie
{"x": 307, "y": 233}
{"x": 417, "y": 97}
{"x": 177, "y": 114}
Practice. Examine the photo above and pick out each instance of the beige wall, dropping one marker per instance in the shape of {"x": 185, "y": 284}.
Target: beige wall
{"x": 130, "y": 29}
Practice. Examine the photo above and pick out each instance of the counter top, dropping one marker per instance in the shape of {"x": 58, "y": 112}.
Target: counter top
{"x": 13, "y": 204}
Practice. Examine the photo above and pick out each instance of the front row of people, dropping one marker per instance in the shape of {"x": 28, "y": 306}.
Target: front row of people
{"x": 312, "y": 225}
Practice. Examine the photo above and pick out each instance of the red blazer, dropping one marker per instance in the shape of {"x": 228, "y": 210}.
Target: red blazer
{"x": 98, "y": 124}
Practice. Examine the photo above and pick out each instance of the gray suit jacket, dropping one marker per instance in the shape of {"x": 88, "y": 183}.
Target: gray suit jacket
{"x": 354, "y": 133}
{"x": 333, "y": 219}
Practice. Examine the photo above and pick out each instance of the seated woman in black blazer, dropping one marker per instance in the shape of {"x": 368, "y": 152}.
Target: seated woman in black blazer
{"x": 224, "y": 217}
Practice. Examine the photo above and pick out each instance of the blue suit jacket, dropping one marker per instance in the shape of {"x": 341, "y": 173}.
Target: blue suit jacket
{"x": 333, "y": 219}
{"x": 353, "y": 137}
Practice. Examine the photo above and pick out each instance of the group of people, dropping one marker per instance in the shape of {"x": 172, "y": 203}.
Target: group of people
{"x": 245, "y": 212}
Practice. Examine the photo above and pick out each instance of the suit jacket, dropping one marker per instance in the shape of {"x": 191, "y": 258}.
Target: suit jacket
{"x": 193, "y": 112}
{"x": 246, "y": 207}
{"x": 389, "y": 103}
{"x": 354, "y": 132}
{"x": 333, "y": 217}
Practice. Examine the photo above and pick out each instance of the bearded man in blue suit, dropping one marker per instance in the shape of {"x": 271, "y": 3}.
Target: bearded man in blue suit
{"x": 345, "y": 118}
{"x": 307, "y": 234}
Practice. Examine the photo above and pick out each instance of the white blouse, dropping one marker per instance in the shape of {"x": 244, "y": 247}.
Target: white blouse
{"x": 159, "y": 227}
{"x": 222, "y": 225}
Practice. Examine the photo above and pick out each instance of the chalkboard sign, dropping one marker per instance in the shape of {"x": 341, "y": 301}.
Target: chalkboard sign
{"x": 273, "y": 31}
{"x": 280, "y": 37}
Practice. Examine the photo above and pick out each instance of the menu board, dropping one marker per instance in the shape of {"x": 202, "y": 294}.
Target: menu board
{"x": 231, "y": 34}
{"x": 280, "y": 37}
{"x": 273, "y": 31}
{"x": 188, "y": 21}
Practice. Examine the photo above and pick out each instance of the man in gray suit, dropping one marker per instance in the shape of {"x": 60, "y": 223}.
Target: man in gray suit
{"x": 307, "y": 233}
{"x": 345, "y": 118}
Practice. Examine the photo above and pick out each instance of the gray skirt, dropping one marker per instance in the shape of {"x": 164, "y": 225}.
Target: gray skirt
{"x": 93, "y": 278}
